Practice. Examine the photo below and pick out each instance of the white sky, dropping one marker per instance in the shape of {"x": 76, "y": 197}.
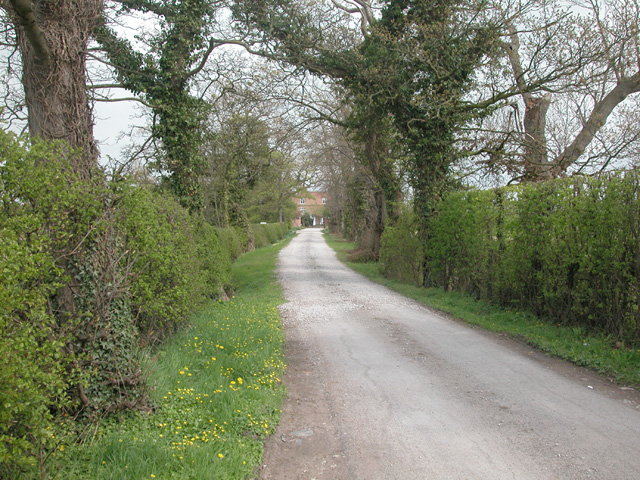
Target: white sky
{"x": 112, "y": 120}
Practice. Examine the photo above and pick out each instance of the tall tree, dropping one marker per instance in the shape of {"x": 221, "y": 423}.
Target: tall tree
{"x": 322, "y": 38}
{"x": 617, "y": 76}
{"x": 410, "y": 69}
{"x": 270, "y": 200}
{"x": 89, "y": 306}
{"x": 419, "y": 62}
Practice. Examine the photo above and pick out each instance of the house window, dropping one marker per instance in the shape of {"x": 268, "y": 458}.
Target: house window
{"x": 302, "y": 209}
{"x": 324, "y": 201}
{"x": 302, "y": 201}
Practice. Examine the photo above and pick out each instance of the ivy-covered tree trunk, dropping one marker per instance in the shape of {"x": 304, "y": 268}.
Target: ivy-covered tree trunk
{"x": 164, "y": 78}
{"x": 179, "y": 124}
{"x": 385, "y": 190}
{"x": 52, "y": 37}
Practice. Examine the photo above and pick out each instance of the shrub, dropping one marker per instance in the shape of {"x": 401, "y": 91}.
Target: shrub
{"x": 567, "y": 250}
{"x": 230, "y": 242}
{"x": 463, "y": 240}
{"x": 33, "y": 383}
{"x": 215, "y": 262}
{"x": 259, "y": 236}
{"x": 178, "y": 259}
{"x": 42, "y": 207}
{"x": 272, "y": 232}
{"x": 268, "y": 233}
{"x": 83, "y": 267}
{"x": 401, "y": 252}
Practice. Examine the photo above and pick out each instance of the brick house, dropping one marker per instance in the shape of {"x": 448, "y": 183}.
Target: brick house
{"x": 315, "y": 204}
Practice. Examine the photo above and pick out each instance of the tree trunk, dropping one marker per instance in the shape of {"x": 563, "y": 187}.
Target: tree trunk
{"x": 370, "y": 240}
{"x": 536, "y": 162}
{"x": 53, "y": 36}
{"x": 375, "y": 225}
{"x": 385, "y": 192}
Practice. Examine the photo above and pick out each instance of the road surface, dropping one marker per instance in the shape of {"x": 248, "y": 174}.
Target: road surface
{"x": 383, "y": 388}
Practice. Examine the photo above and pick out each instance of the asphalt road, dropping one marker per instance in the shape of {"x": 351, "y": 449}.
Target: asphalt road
{"x": 383, "y": 388}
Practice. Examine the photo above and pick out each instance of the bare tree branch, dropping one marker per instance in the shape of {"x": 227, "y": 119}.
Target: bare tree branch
{"x": 203, "y": 61}
{"x": 597, "y": 119}
{"x": 124, "y": 99}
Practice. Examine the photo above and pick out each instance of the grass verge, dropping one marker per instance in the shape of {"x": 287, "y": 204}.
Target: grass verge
{"x": 599, "y": 353}
{"x": 217, "y": 390}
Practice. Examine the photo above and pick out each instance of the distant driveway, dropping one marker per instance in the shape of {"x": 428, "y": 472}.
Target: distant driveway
{"x": 383, "y": 388}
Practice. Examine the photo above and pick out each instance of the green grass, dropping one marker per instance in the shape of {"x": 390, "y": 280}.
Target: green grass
{"x": 571, "y": 343}
{"x": 217, "y": 390}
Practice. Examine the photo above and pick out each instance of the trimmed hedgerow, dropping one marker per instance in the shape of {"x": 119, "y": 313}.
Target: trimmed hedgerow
{"x": 401, "y": 251}
{"x": 178, "y": 259}
{"x": 567, "y": 250}
{"x": 43, "y": 209}
{"x": 230, "y": 242}
{"x": 268, "y": 233}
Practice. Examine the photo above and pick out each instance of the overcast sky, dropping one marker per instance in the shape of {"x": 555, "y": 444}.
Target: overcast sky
{"x": 113, "y": 119}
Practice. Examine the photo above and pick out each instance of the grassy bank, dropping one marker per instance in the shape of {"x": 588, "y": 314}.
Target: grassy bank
{"x": 216, "y": 391}
{"x": 596, "y": 352}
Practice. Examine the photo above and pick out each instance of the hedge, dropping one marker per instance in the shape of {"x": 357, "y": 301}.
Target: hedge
{"x": 140, "y": 264}
{"x": 567, "y": 250}
{"x": 178, "y": 260}
{"x": 401, "y": 254}
{"x": 36, "y": 207}
{"x": 230, "y": 242}
{"x": 265, "y": 234}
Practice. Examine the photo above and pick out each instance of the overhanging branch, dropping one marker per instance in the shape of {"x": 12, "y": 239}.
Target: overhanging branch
{"x": 123, "y": 99}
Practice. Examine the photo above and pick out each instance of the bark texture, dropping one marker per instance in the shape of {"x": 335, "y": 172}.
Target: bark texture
{"x": 53, "y": 36}
{"x": 536, "y": 161}
{"x": 536, "y": 165}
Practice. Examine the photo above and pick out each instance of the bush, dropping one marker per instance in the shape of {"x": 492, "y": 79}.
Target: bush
{"x": 401, "y": 252}
{"x": 269, "y": 233}
{"x": 42, "y": 207}
{"x": 83, "y": 267}
{"x": 463, "y": 242}
{"x": 259, "y": 236}
{"x": 33, "y": 382}
{"x": 178, "y": 260}
{"x": 567, "y": 250}
{"x": 230, "y": 242}
{"x": 215, "y": 262}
